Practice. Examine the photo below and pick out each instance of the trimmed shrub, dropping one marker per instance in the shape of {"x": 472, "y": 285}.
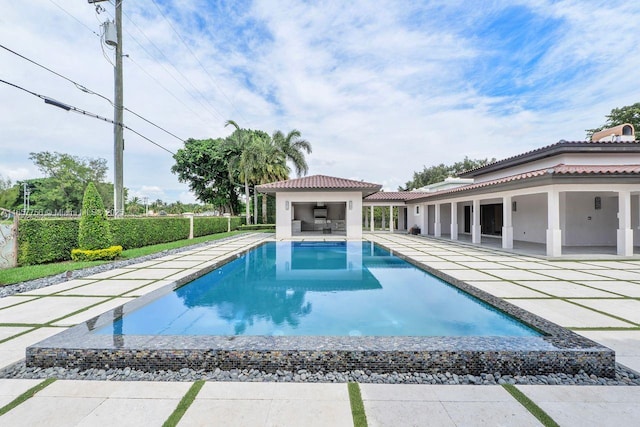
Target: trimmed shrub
{"x": 206, "y": 225}
{"x": 110, "y": 253}
{"x": 46, "y": 240}
{"x": 133, "y": 233}
{"x": 237, "y": 222}
{"x": 93, "y": 232}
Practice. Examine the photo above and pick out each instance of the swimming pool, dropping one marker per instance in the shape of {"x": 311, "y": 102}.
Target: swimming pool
{"x": 555, "y": 350}
{"x": 322, "y": 289}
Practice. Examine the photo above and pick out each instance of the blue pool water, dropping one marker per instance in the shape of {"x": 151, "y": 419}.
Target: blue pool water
{"x": 318, "y": 288}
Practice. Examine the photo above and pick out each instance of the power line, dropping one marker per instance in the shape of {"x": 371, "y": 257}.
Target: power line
{"x": 198, "y": 61}
{"x": 167, "y": 90}
{"x": 84, "y": 89}
{"x": 162, "y": 54}
{"x": 89, "y": 91}
{"x": 76, "y": 19}
{"x": 69, "y": 107}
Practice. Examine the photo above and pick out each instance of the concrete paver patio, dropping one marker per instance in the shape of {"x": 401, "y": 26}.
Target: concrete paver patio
{"x": 587, "y": 296}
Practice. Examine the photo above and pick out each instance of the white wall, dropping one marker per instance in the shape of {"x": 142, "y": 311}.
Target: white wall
{"x": 530, "y": 218}
{"x": 585, "y": 225}
{"x": 413, "y": 219}
{"x": 353, "y": 215}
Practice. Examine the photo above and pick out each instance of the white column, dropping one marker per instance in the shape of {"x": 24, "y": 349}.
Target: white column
{"x": 366, "y": 218}
{"x": 437, "y": 231}
{"x": 391, "y": 219}
{"x": 554, "y": 233}
{"x": 475, "y": 223}
{"x": 625, "y": 233}
{"x": 425, "y": 220}
{"x": 454, "y": 220}
{"x": 507, "y": 224}
{"x": 372, "y": 219}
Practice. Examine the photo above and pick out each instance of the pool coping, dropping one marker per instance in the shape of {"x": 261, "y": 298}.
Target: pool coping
{"x": 558, "y": 351}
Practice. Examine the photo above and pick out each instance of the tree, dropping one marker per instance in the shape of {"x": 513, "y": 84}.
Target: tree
{"x": 204, "y": 164}
{"x": 293, "y": 149}
{"x": 134, "y": 206}
{"x": 66, "y": 179}
{"x": 93, "y": 230}
{"x": 8, "y": 194}
{"x": 440, "y": 172}
{"x": 619, "y": 116}
{"x": 250, "y": 159}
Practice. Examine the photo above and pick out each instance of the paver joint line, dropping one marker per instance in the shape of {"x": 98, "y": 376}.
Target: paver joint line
{"x": 26, "y": 395}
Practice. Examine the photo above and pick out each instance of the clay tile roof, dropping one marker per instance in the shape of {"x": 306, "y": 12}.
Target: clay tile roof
{"x": 319, "y": 183}
{"x": 395, "y": 195}
{"x": 596, "y": 169}
{"x": 560, "y": 169}
{"x": 553, "y": 149}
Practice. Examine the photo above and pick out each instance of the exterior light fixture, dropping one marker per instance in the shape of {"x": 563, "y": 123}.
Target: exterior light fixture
{"x": 286, "y": 205}
{"x": 350, "y": 204}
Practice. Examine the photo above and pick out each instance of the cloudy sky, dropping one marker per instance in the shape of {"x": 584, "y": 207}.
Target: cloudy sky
{"x": 380, "y": 88}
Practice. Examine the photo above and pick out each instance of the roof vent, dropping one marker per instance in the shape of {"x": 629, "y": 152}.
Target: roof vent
{"x": 621, "y": 133}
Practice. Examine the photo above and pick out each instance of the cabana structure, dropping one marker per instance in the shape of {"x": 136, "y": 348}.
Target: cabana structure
{"x": 319, "y": 205}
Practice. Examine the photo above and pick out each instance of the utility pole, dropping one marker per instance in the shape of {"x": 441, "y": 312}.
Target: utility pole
{"x": 118, "y": 144}
{"x": 118, "y": 117}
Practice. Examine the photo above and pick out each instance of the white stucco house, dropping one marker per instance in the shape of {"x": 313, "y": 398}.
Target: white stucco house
{"x": 319, "y": 204}
{"x": 566, "y": 197}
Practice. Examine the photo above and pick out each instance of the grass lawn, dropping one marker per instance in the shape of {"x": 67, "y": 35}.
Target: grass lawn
{"x": 29, "y": 272}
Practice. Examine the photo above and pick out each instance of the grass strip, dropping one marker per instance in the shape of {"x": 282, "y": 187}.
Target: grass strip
{"x": 357, "y": 406}
{"x": 184, "y": 404}
{"x": 25, "y": 396}
{"x": 530, "y": 405}
{"x": 10, "y": 276}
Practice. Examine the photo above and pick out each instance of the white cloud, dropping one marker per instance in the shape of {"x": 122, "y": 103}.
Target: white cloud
{"x": 380, "y": 89}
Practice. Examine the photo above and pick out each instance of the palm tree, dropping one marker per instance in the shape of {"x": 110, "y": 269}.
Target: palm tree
{"x": 248, "y": 159}
{"x": 293, "y": 149}
{"x": 274, "y": 168}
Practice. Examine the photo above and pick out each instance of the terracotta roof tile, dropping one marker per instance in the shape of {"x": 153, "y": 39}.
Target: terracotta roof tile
{"x": 561, "y": 145}
{"x": 560, "y": 169}
{"x": 395, "y": 195}
{"x": 596, "y": 169}
{"x": 320, "y": 182}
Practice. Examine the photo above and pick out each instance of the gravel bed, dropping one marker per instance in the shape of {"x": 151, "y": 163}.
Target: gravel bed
{"x": 624, "y": 376}
{"x": 31, "y": 285}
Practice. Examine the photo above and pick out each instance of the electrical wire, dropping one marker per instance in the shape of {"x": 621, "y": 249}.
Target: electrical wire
{"x": 209, "y": 106}
{"x": 69, "y": 107}
{"x": 198, "y": 60}
{"x": 89, "y": 91}
{"x": 196, "y": 167}
{"x": 151, "y": 76}
{"x": 76, "y": 19}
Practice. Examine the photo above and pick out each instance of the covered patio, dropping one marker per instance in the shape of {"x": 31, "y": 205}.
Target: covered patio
{"x": 319, "y": 205}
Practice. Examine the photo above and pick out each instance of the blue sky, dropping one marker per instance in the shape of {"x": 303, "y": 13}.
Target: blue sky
{"x": 381, "y": 89}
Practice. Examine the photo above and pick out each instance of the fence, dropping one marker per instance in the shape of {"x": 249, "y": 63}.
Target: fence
{"x": 8, "y": 239}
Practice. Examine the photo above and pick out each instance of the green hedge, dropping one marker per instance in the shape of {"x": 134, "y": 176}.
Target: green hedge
{"x": 205, "y": 225}
{"x": 50, "y": 240}
{"x": 138, "y": 232}
{"x": 46, "y": 240}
